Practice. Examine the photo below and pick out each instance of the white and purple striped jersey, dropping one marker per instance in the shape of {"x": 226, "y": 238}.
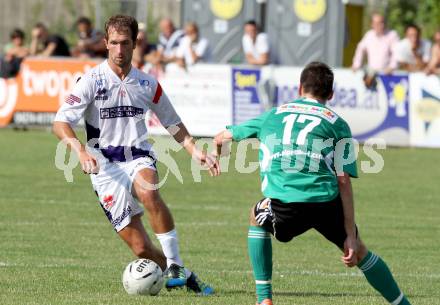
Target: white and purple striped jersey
{"x": 114, "y": 111}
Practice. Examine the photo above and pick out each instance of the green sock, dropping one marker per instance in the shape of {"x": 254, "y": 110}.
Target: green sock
{"x": 260, "y": 254}
{"x": 380, "y": 277}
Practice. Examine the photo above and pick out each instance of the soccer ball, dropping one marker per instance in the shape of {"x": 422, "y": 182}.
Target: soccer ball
{"x": 142, "y": 276}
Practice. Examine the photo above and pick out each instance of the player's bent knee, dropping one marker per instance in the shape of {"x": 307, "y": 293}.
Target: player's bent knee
{"x": 150, "y": 199}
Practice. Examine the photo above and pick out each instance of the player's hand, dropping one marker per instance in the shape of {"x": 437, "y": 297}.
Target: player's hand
{"x": 213, "y": 165}
{"x": 351, "y": 247}
{"x": 89, "y": 164}
{"x": 207, "y": 160}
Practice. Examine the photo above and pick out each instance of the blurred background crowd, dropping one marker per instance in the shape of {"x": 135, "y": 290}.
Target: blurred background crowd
{"x": 403, "y": 44}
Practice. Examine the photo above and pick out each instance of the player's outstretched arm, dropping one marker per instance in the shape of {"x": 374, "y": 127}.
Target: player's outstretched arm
{"x": 183, "y": 137}
{"x": 351, "y": 243}
{"x": 65, "y": 133}
{"x": 220, "y": 139}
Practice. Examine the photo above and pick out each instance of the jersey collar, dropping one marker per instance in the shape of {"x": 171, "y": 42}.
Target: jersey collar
{"x": 310, "y": 100}
{"x": 115, "y": 78}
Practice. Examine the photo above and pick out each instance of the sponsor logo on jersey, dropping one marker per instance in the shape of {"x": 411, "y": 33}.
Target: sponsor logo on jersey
{"x": 72, "y": 99}
{"x": 309, "y": 109}
{"x": 101, "y": 95}
{"x": 121, "y": 112}
{"x": 99, "y": 79}
{"x": 144, "y": 82}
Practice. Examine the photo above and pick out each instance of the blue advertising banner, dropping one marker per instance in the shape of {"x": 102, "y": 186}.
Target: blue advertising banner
{"x": 245, "y": 101}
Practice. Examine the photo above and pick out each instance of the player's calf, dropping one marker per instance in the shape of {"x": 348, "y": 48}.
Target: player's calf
{"x": 380, "y": 277}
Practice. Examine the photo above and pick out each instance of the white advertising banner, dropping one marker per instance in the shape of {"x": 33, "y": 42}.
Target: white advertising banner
{"x": 425, "y": 110}
{"x": 379, "y": 113}
{"x": 201, "y": 96}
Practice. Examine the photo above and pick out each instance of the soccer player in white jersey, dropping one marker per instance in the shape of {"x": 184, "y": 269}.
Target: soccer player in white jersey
{"x": 113, "y": 98}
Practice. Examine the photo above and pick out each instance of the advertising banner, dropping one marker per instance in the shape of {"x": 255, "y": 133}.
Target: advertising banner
{"x": 378, "y": 113}
{"x": 201, "y": 96}
{"x": 245, "y": 99}
{"x": 425, "y": 110}
{"x": 41, "y": 87}
{"x": 402, "y": 109}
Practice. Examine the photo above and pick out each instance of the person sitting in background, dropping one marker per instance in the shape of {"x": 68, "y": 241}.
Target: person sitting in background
{"x": 45, "y": 44}
{"x": 90, "y": 41}
{"x": 413, "y": 52}
{"x": 378, "y": 45}
{"x": 169, "y": 41}
{"x": 434, "y": 63}
{"x": 192, "y": 48}
{"x": 143, "y": 51}
{"x": 255, "y": 44}
{"x": 15, "y": 51}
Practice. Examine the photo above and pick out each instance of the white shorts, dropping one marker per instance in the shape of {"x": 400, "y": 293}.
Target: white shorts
{"x": 113, "y": 185}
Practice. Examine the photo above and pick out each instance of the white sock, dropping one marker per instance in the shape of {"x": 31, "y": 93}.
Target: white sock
{"x": 170, "y": 247}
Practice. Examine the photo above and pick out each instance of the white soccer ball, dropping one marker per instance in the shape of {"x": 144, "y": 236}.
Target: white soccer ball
{"x": 142, "y": 276}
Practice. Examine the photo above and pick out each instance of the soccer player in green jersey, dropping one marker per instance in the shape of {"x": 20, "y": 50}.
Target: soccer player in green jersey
{"x": 306, "y": 161}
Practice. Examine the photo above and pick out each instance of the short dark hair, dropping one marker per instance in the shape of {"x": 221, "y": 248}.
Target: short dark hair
{"x": 413, "y": 26}
{"x": 16, "y": 33}
{"x": 317, "y": 79}
{"x": 251, "y": 22}
{"x": 120, "y": 23}
{"x": 84, "y": 20}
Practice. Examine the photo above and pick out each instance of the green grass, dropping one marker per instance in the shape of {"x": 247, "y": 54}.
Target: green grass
{"x": 56, "y": 246}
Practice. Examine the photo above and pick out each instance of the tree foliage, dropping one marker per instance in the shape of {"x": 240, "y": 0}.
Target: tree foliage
{"x": 425, "y": 14}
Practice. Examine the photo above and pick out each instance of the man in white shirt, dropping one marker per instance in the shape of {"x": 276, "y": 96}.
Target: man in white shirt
{"x": 192, "y": 48}
{"x": 413, "y": 52}
{"x": 113, "y": 99}
{"x": 255, "y": 45}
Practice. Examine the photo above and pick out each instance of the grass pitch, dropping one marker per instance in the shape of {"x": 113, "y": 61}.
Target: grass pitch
{"x": 57, "y": 247}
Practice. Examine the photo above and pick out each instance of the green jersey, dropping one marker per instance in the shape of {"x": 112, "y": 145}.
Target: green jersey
{"x": 303, "y": 146}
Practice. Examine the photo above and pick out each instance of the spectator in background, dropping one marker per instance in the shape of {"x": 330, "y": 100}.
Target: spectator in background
{"x": 14, "y": 51}
{"x": 169, "y": 41}
{"x": 90, "y": 41}
{"x": 192, "y": 48}
{"x": 434, "y": 63}
{"x": 378, "y": 45}
{"x": 144, "y": 52}
{"x": 413, "y": 52}
{"x": 255, "y": 44}
{"x": 45, "y": 44}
